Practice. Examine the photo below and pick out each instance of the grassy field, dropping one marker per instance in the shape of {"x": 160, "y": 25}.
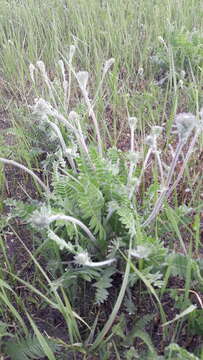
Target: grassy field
{"x": 101, "y": 182}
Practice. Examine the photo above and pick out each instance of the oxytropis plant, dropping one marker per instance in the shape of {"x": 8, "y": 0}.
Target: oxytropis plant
{"x": 92, "y": 209}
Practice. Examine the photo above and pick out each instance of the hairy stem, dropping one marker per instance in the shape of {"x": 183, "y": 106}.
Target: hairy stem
{"x": 74, "y": 221}
{"x": 94, "y": 119}
{"x": 162, "y": 197}
{"x": 24, "y": 168}
{"x": 191, "y": 147}
{"x": 63, "y": 145}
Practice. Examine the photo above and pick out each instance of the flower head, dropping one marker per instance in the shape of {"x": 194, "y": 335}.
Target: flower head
{"x": 41, "y": 218}
{"x": 157, "y": 130}
{"x": 132, "y": 121}
{"x": 42, "y": 108}
{"x": 141, "y": 252}
{"x": 185, "y": 123}
{"x": 82, "y": 77}
{"x": 73, "y": 116}
{"x": 151, "y": 140}
{"x": 82, "y": 258}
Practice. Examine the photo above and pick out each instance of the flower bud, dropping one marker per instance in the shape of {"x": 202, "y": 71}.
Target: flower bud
{"x": 157, "y": 130}
{"x": 150, "y": 141}
{"x": 61, "y": 64}
{"x": 41, "y": 66}
{"x": 108, "y": 64}
{"x": 82, "y": 77}
{"x": 32, "y": 70}
{"x": 82, "y": 259}
{"x": 132, "y": 121}
{"x": 42, "y": 107}
{"x": 73, "y": 116}
{"x": 40, "y": 218}
{"x": 141, "y": 252}
{"x": 71, "y": 53}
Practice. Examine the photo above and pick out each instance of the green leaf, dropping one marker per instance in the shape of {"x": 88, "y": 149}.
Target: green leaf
{"x": 44, "y": 343}
{"x": 196, "y": 322}
{"x": 103, "y": 284}
{"x": 26, "y": 349}
{"x": 91, "y": 203}
{"x": 127, "y": 218}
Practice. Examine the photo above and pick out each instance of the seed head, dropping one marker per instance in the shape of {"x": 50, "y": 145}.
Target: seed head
{"x": 161, "y": 40}
{"x": 140, "y": 72}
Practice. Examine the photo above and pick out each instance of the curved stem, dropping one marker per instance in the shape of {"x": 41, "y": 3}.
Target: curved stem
{"x": 100, "y": 263}
{"x": 24, "y": 168}
{"x": 63, "y": 145}
{"x": 74, "y": 221}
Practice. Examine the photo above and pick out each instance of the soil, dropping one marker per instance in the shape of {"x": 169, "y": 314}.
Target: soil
{"x": 48, "y": 320}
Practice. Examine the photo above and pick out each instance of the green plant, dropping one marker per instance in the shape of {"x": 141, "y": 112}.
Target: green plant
{"x": 91, "y": 207}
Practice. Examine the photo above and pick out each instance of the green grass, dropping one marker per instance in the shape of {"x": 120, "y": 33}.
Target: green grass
{"x": 158, "y": 72}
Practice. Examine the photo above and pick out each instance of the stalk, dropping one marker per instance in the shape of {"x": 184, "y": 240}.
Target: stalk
{"x": 24, "y": 168}
{"x": 161, "y": 198}
{"x": 191, "y": 147}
